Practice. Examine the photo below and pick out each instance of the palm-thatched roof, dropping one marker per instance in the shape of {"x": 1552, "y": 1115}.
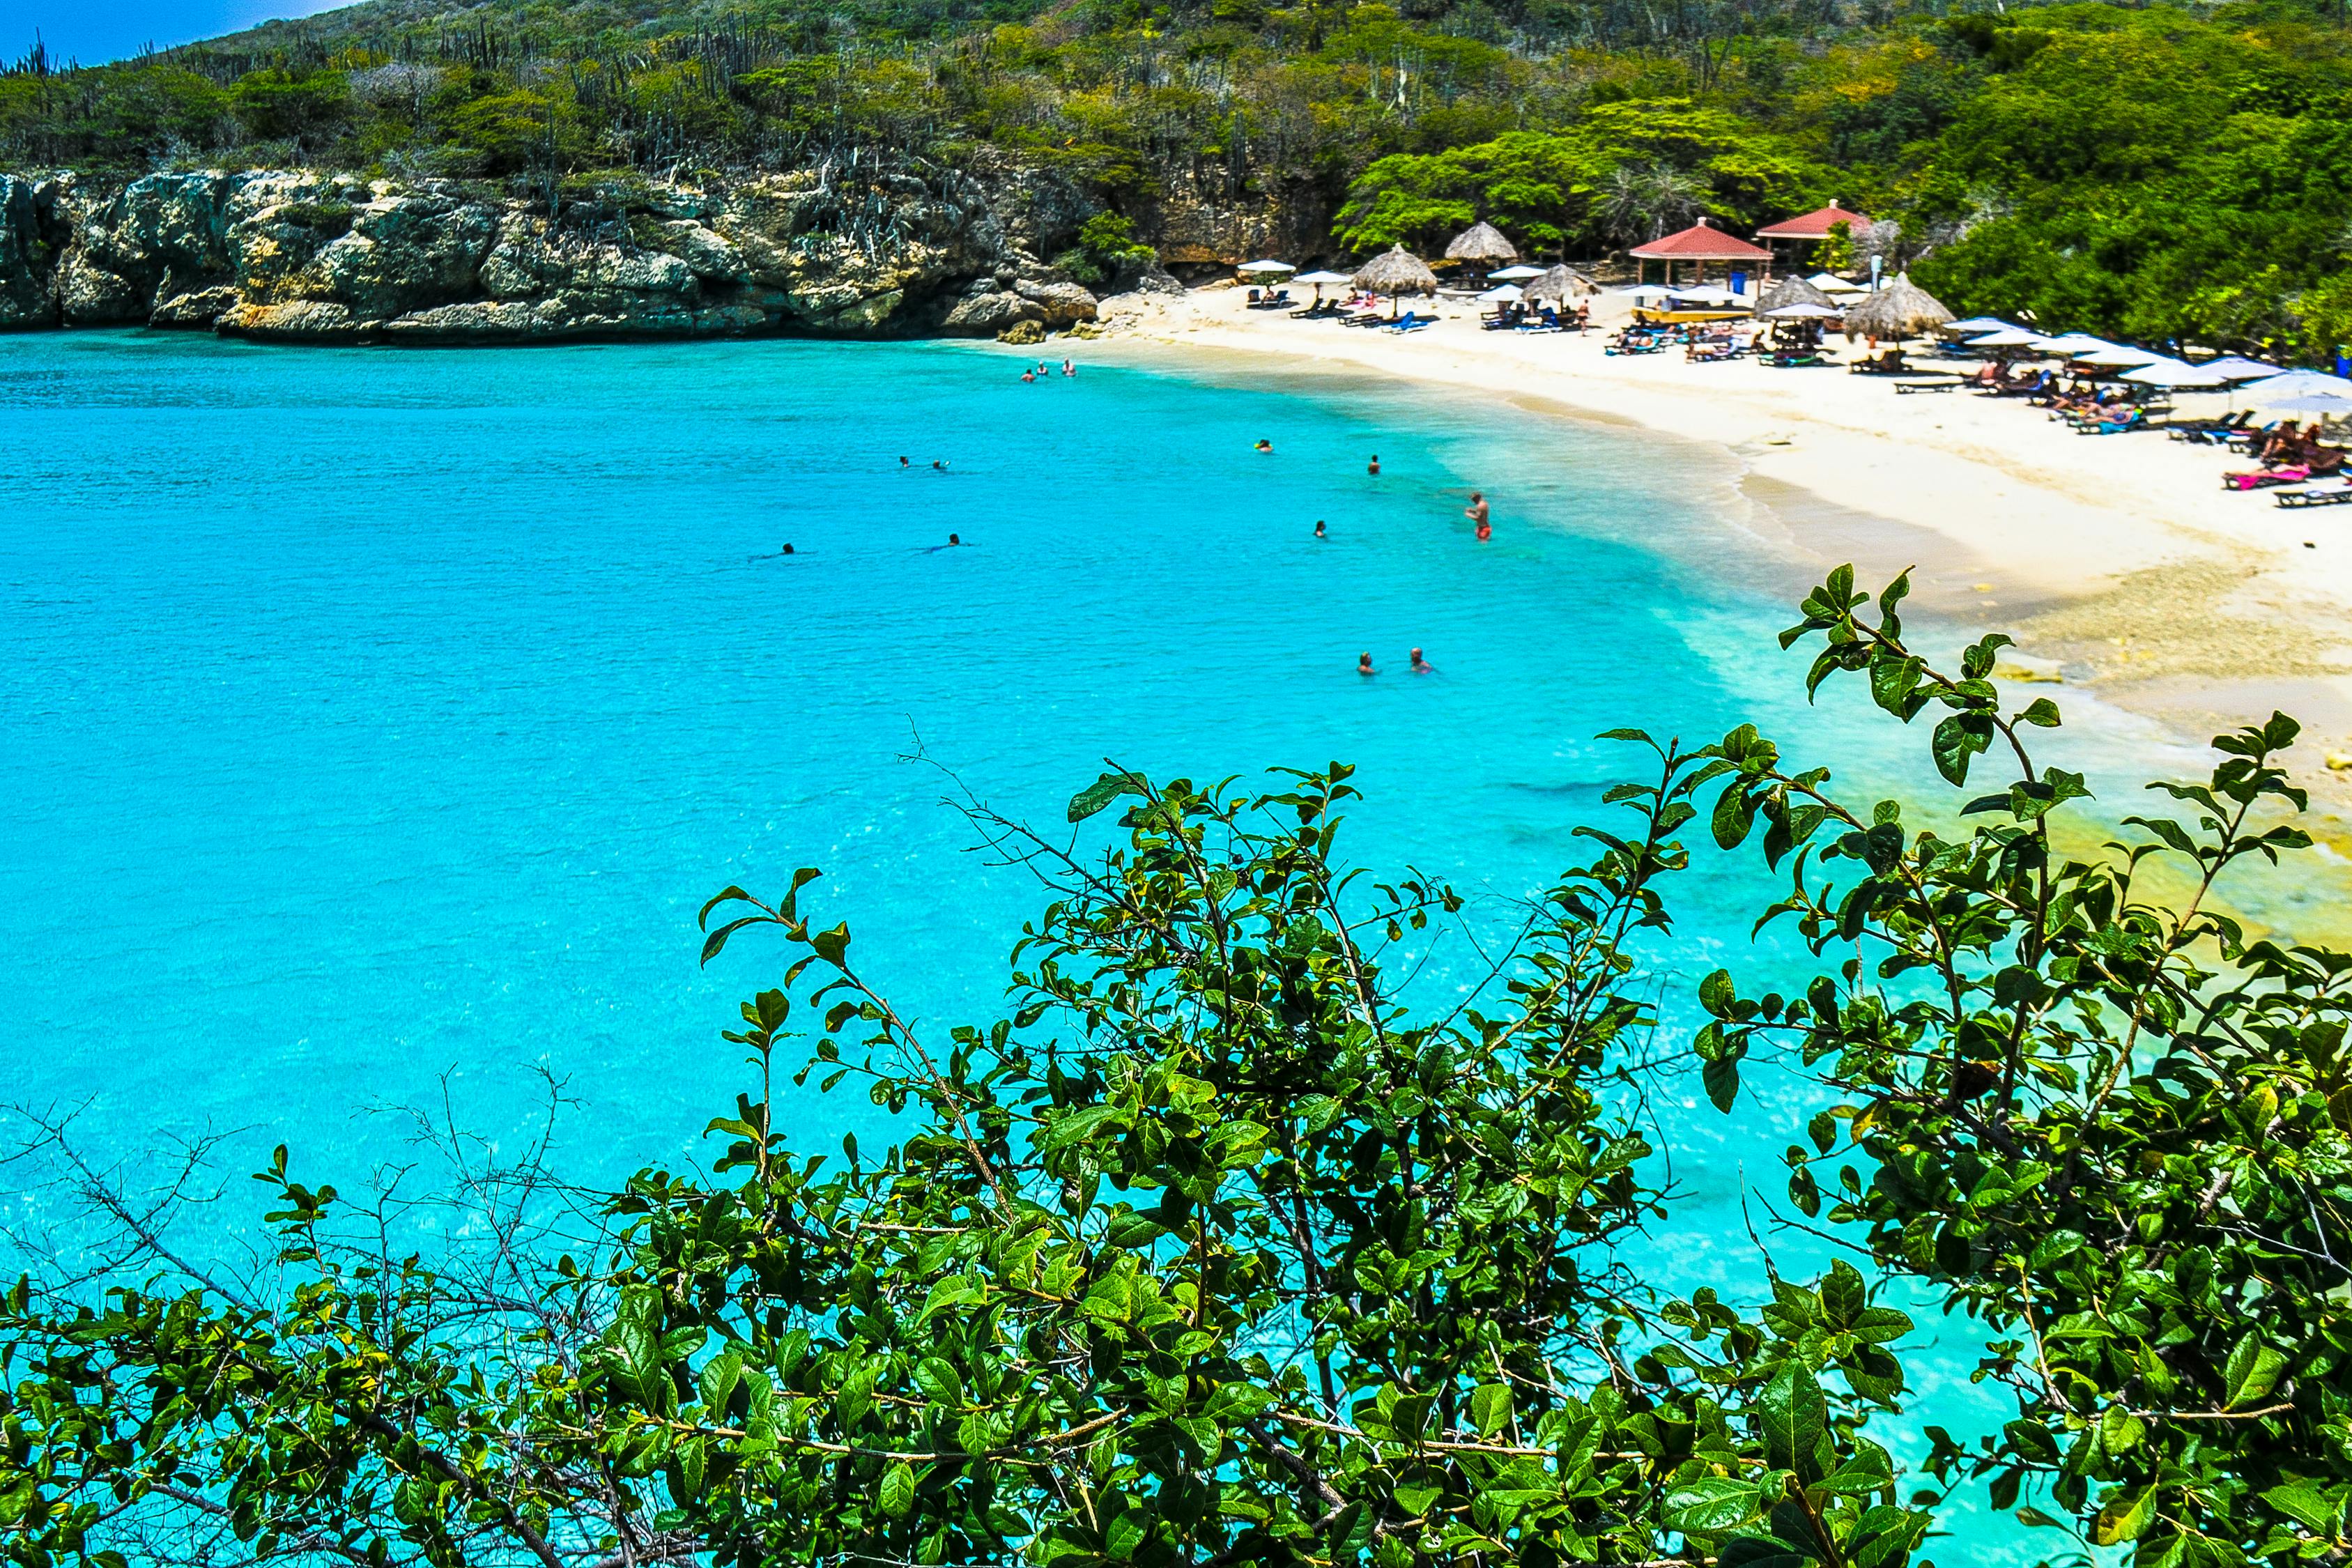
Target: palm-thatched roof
{"x": 1481, "y": 242}
{"x": 1901, "y": 309}
{"x": 1793, "y": 290}
{"x": 1396, "y": 270}
{"x": 1561, "y": 283}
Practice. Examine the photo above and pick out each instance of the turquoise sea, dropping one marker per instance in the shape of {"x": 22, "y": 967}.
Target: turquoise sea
{"x": 373, "y": 724}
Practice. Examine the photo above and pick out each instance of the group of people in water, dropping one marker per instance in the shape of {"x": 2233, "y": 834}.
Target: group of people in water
{"x": 1481, "y": 519}
{"x": 1043, "y": 370}
{"x": 1420, "y": 665}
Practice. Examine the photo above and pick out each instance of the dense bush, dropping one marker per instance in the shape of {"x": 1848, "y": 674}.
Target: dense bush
{"x": 1211, "y": 1251}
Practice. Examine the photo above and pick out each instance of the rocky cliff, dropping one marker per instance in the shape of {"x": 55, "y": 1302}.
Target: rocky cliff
{"x": 304, "y": 257}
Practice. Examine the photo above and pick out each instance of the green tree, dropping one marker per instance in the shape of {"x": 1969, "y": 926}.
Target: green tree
{"x": 2108, "y": 1125}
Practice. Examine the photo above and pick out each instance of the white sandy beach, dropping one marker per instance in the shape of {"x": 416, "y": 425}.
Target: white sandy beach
{"x": 2118, "y": 559}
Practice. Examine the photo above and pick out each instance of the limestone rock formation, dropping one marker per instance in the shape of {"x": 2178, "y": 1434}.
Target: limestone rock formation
{"x": 312, "y": 257}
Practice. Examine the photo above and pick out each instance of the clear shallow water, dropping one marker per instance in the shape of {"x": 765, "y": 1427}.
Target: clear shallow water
{"x": 369, "y": 720}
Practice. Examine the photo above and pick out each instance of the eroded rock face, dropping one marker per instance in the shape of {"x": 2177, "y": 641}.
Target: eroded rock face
{"x": 30, "y": 235}
{"x": 324, "y": 257}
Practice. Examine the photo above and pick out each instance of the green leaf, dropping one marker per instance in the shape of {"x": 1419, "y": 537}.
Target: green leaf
{"x": 1795, "y": 1416}
{"x": 2124, "y": 1517}
{"x": 1957, "y": 739}
{"x": 1712, "y": 1505}
{"x": 1490, "y": 1408}
{"x": 939, "y": 1381}
{"x": 2252, "y": 1370}
{"x": 898, "y": 1493}
{"x": 2304, "y": 1503}
{"x": 1722, "y": 1082}
{"x": 1098, "y": 794}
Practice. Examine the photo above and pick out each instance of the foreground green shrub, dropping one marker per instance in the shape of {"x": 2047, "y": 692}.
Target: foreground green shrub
{"x": 1212, "y": 1252}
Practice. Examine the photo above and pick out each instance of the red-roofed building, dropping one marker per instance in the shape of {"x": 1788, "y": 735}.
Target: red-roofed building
{"x": 1699, "y": 244}
{"x": 1816, "y": 226}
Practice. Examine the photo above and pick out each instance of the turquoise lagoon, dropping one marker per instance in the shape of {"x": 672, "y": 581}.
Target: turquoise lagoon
{"x": 373, "y": 724}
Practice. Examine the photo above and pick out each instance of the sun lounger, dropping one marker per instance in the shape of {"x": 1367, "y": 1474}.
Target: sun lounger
{"x": 1410, "y": 322}
{"x": 1947, "y": 383}
{"x": 2316, "y": 498}
{"x": 2263, "y": 478}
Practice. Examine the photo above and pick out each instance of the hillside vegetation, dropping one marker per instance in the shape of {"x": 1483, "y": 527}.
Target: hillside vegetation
{"x": 2163, "y": 173}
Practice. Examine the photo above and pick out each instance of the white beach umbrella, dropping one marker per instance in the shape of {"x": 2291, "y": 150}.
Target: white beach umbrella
{"x": 2176, "y": 372}
{"x": 2071, "y": 343}
{"x": 2237, "y": 367}
{"x": 1800, "y": 312}
{"x": 1266, "y": 267}
{"x": 1645, "y": 291}
{"x": 1516, "y": 270}
{"x": 1321, "y": 278}
{"x": 2012, "y": 338}
{"x": 1984, "y": 324}
{"x": 2329, "y": 403}
{"x": 1709, "y": 295}
{"x": 1830, "y": 283}
{"x": 2274, "y": 392}
{"x": 1508, "y": 292}
{"x": 2121, "y": 356}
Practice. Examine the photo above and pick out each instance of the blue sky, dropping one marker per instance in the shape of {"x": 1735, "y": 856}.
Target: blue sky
{"x": 96, "y": 30}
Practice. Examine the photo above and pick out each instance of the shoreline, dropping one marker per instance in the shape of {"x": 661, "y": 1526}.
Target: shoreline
{"x": 2124, "y": 571}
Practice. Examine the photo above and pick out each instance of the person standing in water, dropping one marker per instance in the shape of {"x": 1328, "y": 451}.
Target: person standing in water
{"x": 1319, "y": 529}
{"x": 1476, "y": 513}
{"x": 1069, "y": 367}
{"x": 1364, "y": 664}
{"x": 1422, "y": 666}
{"x": 1373, "y": 467}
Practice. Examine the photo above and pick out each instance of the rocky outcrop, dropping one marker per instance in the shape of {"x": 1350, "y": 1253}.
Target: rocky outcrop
{"x": 301, "y": 255}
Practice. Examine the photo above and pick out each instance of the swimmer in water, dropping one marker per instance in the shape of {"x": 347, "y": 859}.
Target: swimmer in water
{"x": 1319, "y": 529}
{"x": 1476, "y": 510}
{"x": 1373, "y": 467}
{"x": 955, "y": 539}
{"x": 1069, "y": 367}
{"x": 786, "y": 551}
{"x": 1422, "y": 666}
{"x": 1028, "y": 375}
{"x": 1265, "y": 445}
{"x": 941, "y": 464}
{"x": 904, "y": 463}
{"x": 1364, "y": 665}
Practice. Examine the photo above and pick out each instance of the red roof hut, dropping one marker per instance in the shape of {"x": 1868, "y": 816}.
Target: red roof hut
{"x": 1699, "y": 244}
{"x": 1816, "y": 225}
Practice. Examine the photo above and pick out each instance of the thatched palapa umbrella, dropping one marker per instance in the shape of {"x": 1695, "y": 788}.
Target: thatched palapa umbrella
{"x": 1481, "y": 242}
{"x": 1901, "y": 309}
{"x": 1794, "y": 292}
{"x": 1396, "y": 271}
{"x": 1561, "y": 284}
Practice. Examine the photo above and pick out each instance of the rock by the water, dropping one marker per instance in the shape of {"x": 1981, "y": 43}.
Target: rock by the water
{"x": 1029, "y": 332}
{"x": 307, "y": 255}
{"x": 992, "y": 314}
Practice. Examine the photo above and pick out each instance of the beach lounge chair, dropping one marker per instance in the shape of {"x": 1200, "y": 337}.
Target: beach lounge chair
{"x": 2317, "y": 497}
{"x": 1410, "y": 322}
{"x": 1887, "y": 363}
{"x": 2209, "y": 432}
{"x": 1946, "y": 384}
{"x": 2264, "y": 479}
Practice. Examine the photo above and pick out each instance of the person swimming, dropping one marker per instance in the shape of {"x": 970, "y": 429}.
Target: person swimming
{"x": 1069, "y": 367}
{"x": 1364, "y": 665}
{"x": 941, "y": 464}
{"x": 955, "y": 539}
{"x": 1319, "y": 529}
{"x": 1373, "y": 467}
{"x": 904, "y": 463}
{"x": 1265, "y": 445}
{"x": 1422, "y": 666}
{"x": 787, "y": 549}
{"x": 1028, "y": 375}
